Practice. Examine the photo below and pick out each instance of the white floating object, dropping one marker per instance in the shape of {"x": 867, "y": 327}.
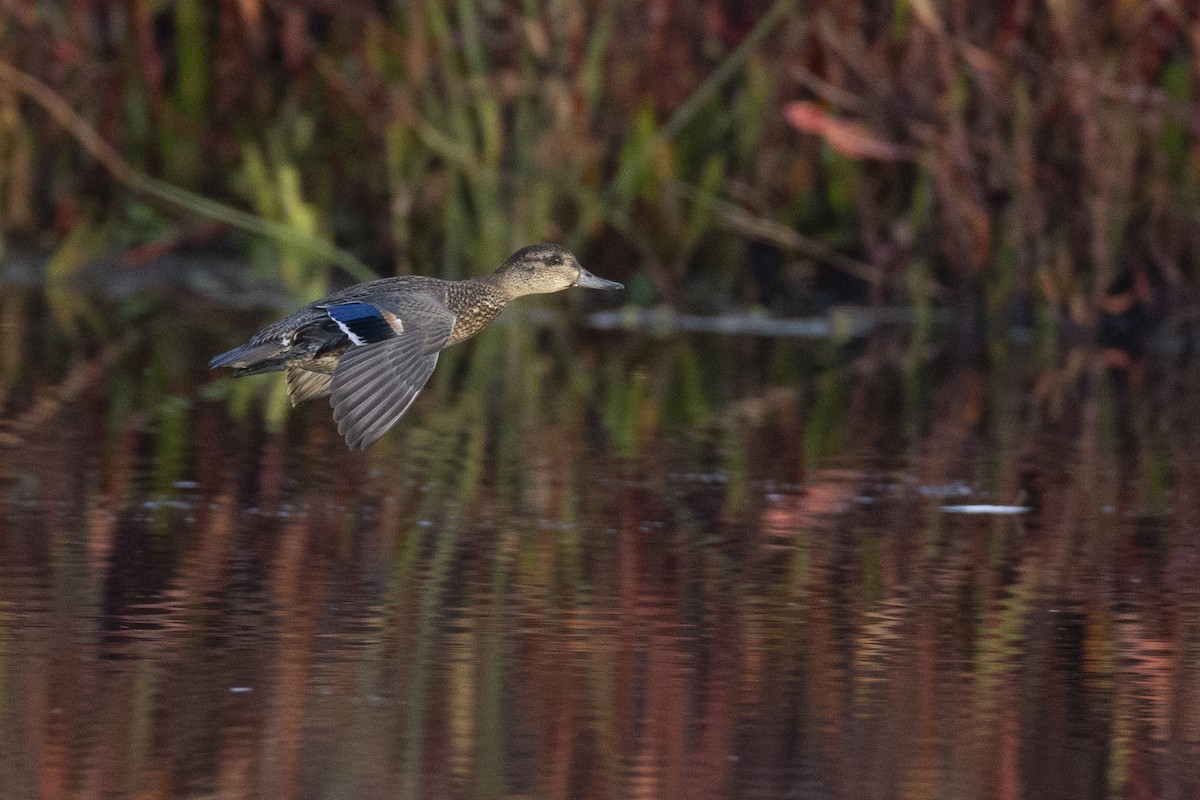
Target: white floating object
{"x": 986, "y": 509}
{"x": 945, "y": 490}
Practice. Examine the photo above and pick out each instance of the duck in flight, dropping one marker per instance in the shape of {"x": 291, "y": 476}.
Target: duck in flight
{"x": 372, "y": 347}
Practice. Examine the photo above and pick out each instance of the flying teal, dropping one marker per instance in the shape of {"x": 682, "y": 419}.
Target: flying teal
{"x": 372, "y": 347}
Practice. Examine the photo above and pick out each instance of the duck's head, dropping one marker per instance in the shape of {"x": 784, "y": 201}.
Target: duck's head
{"x": 545, "y": 268}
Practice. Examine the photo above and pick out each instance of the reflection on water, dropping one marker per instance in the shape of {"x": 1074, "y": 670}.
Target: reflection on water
{"x": 682, "y": 568}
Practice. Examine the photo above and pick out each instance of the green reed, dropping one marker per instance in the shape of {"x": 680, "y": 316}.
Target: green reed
{"x": 436, "y": 137}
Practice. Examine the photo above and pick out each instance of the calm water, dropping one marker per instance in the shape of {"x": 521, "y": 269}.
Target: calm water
{"x": 603, "y": 566}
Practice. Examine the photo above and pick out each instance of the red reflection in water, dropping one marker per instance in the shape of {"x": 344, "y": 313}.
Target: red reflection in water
{"x": 461, "y": 613}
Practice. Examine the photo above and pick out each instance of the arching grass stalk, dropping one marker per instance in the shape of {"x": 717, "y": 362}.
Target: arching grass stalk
{"x": 62, "y": 113}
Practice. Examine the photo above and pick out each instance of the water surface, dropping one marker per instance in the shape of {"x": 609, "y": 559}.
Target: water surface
{"x": 603, "y": 566}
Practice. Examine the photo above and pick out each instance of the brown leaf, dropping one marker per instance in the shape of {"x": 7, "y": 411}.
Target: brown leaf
{"x": 848, "y": 137}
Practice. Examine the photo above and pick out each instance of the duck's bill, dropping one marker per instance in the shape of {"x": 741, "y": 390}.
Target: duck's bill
{"x": 590, "y": 281}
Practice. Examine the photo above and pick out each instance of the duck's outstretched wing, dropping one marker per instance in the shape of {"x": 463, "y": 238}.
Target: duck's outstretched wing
{"x": 375, "y": 382}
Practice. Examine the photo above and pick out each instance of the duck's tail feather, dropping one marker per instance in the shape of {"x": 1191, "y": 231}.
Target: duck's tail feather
{"x": 252, "y": 358}
{"x": 269, "y": 365}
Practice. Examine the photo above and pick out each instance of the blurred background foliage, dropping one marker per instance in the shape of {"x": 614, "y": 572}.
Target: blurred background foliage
{"x": 1026, "y": 158}
{"x": 738, "y": 519}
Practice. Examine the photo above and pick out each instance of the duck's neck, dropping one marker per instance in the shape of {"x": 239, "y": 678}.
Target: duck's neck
{"x": 475, "y": 303}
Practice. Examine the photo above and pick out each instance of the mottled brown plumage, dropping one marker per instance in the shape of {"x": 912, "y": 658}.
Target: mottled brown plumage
{"x": 474, "y": 303}
{"x": 373, "y": 346}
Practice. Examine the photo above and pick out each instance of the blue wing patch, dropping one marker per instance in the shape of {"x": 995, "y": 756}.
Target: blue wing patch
{"x": 362, "y": 322}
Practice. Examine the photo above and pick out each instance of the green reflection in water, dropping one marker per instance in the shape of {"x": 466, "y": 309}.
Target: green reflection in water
{"x": 601, "y": 566}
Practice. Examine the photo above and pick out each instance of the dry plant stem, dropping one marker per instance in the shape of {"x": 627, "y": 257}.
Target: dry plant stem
{"x": 738, "y": 219}
{"x": 453, "y": 151}
{"x": 82, "y": 375}
{"x": 62, "y": 113}
{"x": 834, "y": 95}
{"x": 688, "y": 110}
